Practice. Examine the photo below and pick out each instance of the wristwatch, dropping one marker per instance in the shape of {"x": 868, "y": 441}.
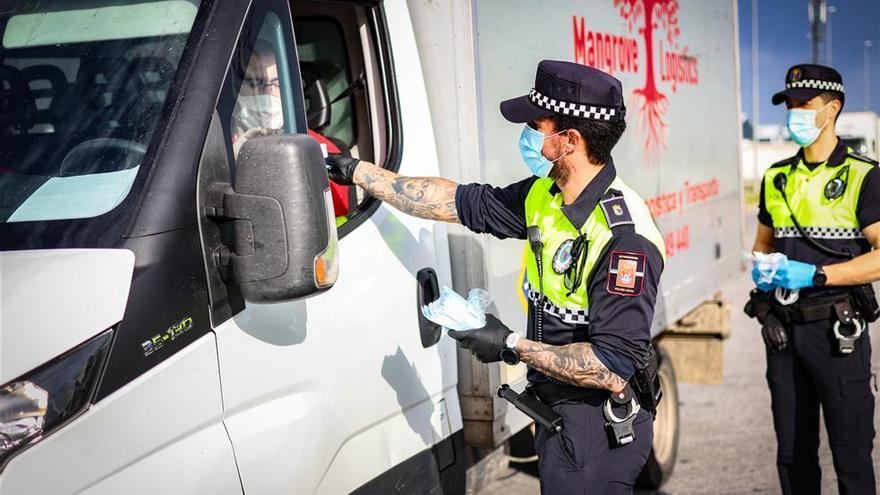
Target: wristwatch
{"x": 509, "y": 354}
{"x": 819, "y": 278}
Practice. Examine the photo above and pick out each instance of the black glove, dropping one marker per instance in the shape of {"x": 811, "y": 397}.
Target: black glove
{"x": 341, "y": 168}
{"x": 484, "y": 343}
{"x": 775, "y": 335}
{"x": 759, "y": 305}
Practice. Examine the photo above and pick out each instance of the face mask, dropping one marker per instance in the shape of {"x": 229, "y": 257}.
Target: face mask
{"x": 531, "y": 141}
{"x": 802, "y": 125}
{"x": 260, "y": 111}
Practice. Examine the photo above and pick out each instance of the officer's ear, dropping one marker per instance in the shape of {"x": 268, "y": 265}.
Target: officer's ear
{"x": 836, "y": 107}
{"x": 575, "y": 140}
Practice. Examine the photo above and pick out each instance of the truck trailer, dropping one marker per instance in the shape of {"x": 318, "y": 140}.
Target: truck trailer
{"x": 187, "y": 305}
{"x": 860, "y": 131}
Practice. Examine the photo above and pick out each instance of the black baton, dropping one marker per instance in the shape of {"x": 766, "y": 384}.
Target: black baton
{"x": 533, "y": 408}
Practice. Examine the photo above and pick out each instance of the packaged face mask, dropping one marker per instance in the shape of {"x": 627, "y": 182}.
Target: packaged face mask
{"x": 767, "y": 264}
{"x": 454, "y": 312}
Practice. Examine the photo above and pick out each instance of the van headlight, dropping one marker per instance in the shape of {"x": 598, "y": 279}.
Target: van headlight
{"x": 44, "y": 399}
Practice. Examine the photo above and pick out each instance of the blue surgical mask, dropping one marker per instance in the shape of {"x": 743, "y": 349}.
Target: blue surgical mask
{"x": 802, "y": 125}
{"x": 531, "y": 141}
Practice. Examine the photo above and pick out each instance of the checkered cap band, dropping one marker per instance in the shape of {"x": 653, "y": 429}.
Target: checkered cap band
{"x": 592, "y": 112}
{"x": 820, "y": 232}
{"x": 575, "y": 316}
{"x": 816, "y": 84}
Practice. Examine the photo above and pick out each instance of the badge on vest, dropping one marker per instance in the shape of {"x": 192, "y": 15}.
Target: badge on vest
{"x": 562, "y": 259}
{"x": 626, "y": 275}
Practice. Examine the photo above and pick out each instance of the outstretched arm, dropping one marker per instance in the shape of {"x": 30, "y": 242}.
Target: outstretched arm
{"x": 576, "y": 364}
{"x": 425, "y": 197}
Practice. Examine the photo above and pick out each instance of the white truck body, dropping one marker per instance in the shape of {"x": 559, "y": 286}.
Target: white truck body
{"x": 339, "y": 392}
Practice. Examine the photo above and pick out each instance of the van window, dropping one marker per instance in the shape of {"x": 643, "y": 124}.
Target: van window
{"x": 83, "y": 85}
{"x": 81, "y": 22}
{"x": 325, "y": 70}
{"x": 264, "y": 104}
{"x": 345, "y": 80}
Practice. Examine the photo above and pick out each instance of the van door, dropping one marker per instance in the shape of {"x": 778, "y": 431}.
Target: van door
{"x": 350, "y": 388}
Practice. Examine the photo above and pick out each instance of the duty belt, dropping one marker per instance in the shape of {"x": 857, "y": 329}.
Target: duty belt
{"x": 847, "y": 312}
{"x": 619, "y": 429}
{"x": 841, "y": 307}
{"x": 557, "y": 393}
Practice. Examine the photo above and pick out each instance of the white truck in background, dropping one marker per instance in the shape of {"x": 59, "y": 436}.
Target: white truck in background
{"x": 860, "y": 131}
{"x": 171, "y": 317}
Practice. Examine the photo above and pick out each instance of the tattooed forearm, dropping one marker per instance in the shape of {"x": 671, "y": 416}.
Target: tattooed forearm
{"x": 426, "y": 197}
{"x": 576, "y": 364}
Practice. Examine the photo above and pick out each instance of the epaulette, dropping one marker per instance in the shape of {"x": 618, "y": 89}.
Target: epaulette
{"x": 788, "y": 161}
{"x": 617, "y": 214}
{"x": 866, "y": 159}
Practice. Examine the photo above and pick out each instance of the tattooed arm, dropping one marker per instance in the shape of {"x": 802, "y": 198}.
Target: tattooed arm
{"x": 576, "y": 364}
{"x": 426, "y": 197}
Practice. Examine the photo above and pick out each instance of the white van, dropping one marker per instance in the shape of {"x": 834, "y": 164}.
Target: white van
{"x": 164, "y": 217}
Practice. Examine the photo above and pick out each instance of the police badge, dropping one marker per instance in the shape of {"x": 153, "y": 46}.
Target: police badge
{"x": 562, "y": 259}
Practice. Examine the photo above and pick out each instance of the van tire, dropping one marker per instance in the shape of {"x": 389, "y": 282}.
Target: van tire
{"x": 661, "y": 462}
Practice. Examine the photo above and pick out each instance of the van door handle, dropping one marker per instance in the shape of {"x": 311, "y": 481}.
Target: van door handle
{"x": 428, "y": 291}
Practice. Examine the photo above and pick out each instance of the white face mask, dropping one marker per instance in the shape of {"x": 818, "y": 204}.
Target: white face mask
{"x": 260, "y": 111}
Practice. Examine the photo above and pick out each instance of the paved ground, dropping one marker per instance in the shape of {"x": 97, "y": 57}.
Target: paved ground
{"x": 727, "y": 443}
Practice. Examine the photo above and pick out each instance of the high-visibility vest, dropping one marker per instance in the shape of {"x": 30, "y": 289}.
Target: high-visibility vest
{"x": 821, "y": 217}
{"x": 543, "y": 209}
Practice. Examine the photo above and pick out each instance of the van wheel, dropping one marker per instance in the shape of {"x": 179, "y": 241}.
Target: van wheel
{"x": 661, "y": 462}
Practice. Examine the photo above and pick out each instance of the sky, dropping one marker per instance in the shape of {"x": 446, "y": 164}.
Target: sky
{"x": 783, "y": 30}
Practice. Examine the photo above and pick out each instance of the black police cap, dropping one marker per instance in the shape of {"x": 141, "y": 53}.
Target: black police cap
{"x": 806, "y": 81}
{"x": 565, "y": 88}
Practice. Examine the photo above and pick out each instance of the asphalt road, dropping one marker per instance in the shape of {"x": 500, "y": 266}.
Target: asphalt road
{"x": 727, "y": 444}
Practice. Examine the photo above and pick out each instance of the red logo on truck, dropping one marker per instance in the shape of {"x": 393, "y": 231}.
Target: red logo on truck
{"x": 615, "y": 53}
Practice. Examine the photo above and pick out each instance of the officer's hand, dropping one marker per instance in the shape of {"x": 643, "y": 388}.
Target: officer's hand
{"x": 484, "y": 343}
{"x": 341, "y": 168}
{"x": 793, "y": 275}
{"x": 775, "y": 335}
{"x": 756, "y": 277}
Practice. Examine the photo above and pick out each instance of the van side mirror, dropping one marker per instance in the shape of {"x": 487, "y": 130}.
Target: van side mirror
{"x": 285, "y": 233}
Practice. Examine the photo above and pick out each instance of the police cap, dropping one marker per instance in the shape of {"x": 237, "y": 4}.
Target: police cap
{"x": 565, "y": 88}
{"x": 806, "y": 81}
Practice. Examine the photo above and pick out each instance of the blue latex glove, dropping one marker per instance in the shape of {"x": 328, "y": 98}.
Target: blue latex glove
{"x": 756, "y": 277}
{"x": 794, "y": 275}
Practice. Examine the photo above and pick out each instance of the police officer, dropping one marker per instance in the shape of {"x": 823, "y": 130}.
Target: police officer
{"x": 594, "y": 261}
{"x": 821, "y": 208}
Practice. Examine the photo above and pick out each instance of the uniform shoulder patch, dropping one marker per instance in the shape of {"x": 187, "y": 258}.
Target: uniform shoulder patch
{"x": 615, "y": 210}
{"x": 866, "y": 159}
{"x": 626, "y": 273}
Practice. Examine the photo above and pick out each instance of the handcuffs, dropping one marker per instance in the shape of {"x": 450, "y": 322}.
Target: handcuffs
{"x": 620, "y": 430}
{"x": 847, "y": 317}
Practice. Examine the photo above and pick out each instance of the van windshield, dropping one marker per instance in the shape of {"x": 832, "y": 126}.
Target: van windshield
{"x": 82, "y": 86}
